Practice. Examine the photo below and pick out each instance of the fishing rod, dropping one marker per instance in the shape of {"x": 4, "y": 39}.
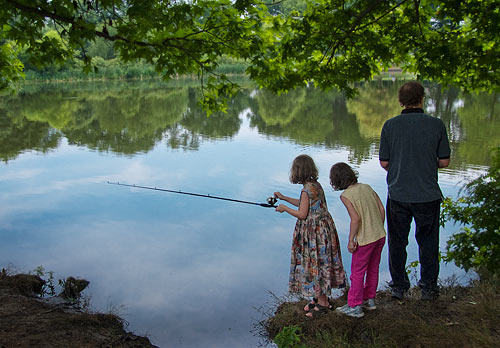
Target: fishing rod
{"x": 271, "y": 201}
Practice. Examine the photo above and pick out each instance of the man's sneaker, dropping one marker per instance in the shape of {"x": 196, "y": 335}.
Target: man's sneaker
{"x": 397, "y": 293}
{"x": 356, "y": 312}
{"x": 369, "y": 304}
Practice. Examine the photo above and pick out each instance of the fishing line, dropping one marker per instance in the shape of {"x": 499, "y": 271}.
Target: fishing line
{"x": 271, "y": 201}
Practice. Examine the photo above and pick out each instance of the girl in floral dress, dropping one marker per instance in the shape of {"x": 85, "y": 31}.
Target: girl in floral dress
{"x": 316, "y": 263}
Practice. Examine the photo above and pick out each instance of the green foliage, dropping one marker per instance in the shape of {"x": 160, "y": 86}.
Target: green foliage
{"x": 289, "y": 337}
{"x": 336, "y": 43}
{"x": 477, "y": 245}
{"x": 11, "y": 68}
{"x": 176, "y": 38}
{"x": 281, "y": 44}
{"x": 412, "y": 269}
{"x": 49, "y": 287}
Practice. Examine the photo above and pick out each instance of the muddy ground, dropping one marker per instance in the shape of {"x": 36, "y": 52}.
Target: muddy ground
{"x": 26, "y": 320}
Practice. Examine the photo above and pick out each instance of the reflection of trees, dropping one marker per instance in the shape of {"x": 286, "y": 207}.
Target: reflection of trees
{"x": 131, "y": 118}
{"x": 195, "y": 124}
{"x": 124, "y": 120}
{"x": 375, "y": 103}
{"x": 129, "y": 121}
{"x": 309, "y": 117}
{"x": 473, "y": 123}
{"x": 217, "y": 125}
{"x": 444, "y": 103}
{"x": 294, "y": 115}
{"x": 19, "y": 134}
{"x": 177, "y": 137}
{"x": 283, "y": 109}
{"x": 346, "y": 132}
{"x": 480, "y": 122}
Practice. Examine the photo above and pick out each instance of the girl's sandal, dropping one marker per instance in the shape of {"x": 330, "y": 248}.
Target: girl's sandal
{"x": 318, "y": 310}
{"x": 311, "y": 305}
{"x": 324, "y": 308}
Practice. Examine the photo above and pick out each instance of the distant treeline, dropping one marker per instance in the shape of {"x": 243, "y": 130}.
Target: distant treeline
{"x": 113, "y": 69}
{"x": 107, "y": 65}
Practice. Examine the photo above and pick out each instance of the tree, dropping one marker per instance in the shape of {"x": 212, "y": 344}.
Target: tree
{"x": 335, "y": 43}
{"x": 332, "y": 43}
{"x": 178, "y": 37}
{"x": 11, "y": 68}
{"x": 477, "y": 245}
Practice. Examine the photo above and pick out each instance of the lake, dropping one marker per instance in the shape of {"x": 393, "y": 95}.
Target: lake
{"x": 190, "y": 271}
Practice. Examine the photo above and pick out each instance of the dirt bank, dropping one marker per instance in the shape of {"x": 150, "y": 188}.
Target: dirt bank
{"x": 26, "y": 320}
{"x": 462, "y": 317}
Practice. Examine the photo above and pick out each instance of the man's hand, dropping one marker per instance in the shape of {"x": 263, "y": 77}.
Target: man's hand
{"x": 443, "y": 163}
{"x": 384, "y": 164}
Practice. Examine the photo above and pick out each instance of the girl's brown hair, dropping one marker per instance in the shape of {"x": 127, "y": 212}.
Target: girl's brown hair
{"x": 342, "y": 176}
{"x": 303, "y": 170}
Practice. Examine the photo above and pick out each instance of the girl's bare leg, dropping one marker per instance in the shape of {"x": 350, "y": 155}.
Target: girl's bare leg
{"x": 323, "y": 300}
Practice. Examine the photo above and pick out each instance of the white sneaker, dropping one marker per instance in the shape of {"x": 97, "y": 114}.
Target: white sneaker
{"x": 356, "y": 312}
{"x": 369, "y": 304}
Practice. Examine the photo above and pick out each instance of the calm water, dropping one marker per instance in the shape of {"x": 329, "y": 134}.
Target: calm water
{"x": 189, "y": 271}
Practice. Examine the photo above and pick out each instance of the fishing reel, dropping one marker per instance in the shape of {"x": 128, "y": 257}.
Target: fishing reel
{"x": 272, "y": 201}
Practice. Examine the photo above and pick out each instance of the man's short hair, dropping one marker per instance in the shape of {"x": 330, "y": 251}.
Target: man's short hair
{"x": 411, "y": 93}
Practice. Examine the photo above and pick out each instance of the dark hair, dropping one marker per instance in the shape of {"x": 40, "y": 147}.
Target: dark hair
{"x": 411, "y": 93}
{"x": 342, "y": 176}
{"x": 303, "y": 170}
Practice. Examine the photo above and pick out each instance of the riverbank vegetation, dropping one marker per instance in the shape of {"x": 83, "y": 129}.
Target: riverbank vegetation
{"x": 477, "y": 245}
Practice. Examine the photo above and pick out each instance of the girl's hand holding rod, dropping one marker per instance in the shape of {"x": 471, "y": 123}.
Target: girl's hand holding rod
{"x": 293, "y": 201}
{"x": 302, "y": 204}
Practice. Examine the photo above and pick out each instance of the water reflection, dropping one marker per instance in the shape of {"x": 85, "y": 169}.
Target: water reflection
{"x": 128, "y": 119}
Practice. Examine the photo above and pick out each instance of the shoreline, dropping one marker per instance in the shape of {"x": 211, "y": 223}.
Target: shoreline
{"x": 28, "y": 319}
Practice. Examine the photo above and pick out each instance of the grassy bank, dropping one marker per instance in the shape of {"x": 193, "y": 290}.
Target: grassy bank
{"x": 463, "y": 316}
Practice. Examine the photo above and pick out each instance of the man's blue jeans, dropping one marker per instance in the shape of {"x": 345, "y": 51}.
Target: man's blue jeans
{"x": 399, "y": 218}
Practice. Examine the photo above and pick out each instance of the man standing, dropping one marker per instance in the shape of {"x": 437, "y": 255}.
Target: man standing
{"x": 413, "y": 146}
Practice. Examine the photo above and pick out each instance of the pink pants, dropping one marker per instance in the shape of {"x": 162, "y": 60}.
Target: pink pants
{"x": 365, "y": 261}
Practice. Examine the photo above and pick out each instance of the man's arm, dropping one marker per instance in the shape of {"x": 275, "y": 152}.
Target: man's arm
{"x": 384, "y": 153}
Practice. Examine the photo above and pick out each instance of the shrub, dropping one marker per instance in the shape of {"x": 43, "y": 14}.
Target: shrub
{"x": 289, "y": 337}
{"x": 477, "y": 244}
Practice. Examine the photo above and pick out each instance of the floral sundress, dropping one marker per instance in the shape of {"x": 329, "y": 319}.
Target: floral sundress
{"x": 316, "y": 262}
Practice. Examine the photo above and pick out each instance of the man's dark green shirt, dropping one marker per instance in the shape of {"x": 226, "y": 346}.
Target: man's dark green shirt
{"x": 412, "y": 143}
